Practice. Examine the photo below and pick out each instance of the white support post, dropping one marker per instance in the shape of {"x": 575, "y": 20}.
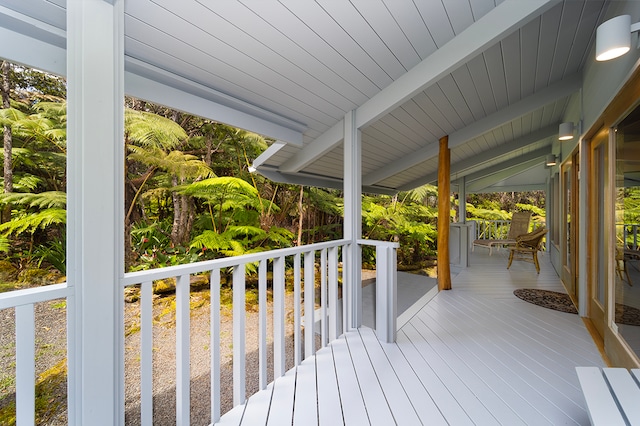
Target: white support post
{"x": 95, "y": 164}
{"x": 353, "y": 217}
{"x": 462, "y": 200}
{"x": 386, "y": 293}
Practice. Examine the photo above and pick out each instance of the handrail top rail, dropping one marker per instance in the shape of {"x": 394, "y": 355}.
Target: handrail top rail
{"x": 28, "y": 296}
{"x": 378, "y": 243}
{"x": 131, "y": 278}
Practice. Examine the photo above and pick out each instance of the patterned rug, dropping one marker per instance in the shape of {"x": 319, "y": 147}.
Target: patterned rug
{"x": 562, "y": 302}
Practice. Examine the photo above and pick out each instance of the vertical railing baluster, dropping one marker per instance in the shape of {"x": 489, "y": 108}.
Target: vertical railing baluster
{"x": 278, "y": 317}
{"x": 183, "y": 347}
{"x": 296, "y": 309}
{"x": 309, "y": 303}
{"x": 214, "y": 291}
{"x": 146, "y": 353}
{"x": 323, "y": 297}
{"x": 262, "y": 323}
{"x": 333, "y": 293}
{"x": 239, "y": 359}
{"x": 346, "y": 301}
{"x": 25, "y": 365}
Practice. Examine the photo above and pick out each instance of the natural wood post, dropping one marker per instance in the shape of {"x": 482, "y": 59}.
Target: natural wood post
{"x": 444, "y": 213}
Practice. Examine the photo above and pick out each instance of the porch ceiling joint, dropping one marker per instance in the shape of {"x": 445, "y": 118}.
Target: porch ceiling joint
{"x": 320, "y": 146}
{"x": 501, "y": 21}
{"x": 462, "y": 168}
{"x": 536, "y": 155}
{"x": 156, "y": 85}
{"x": 552, "y": 93}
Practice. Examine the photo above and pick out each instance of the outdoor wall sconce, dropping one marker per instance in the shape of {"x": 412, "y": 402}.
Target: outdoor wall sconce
{"x": 565, "y": 132}
{"x": 613, "y": 37}
{"x": 551, "y": 160}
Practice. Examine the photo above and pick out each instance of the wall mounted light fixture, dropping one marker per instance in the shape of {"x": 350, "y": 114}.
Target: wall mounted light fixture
{"x": 613, "y": 37}
{"x": 565, "y": 131}
{"x": 551, "y": 160}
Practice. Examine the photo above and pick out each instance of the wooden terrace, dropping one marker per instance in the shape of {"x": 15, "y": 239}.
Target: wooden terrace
{"x": 473, "y": 355}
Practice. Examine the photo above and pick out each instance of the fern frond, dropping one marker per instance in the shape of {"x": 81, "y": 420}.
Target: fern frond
{"x": 4, "y": 244}
{"x": 41, "y": 200}
{"x": 151, "y": 130}
{"x": 8, "y": 116}
{"x": 176, "y": 162}
{"x": 32, "y": 221}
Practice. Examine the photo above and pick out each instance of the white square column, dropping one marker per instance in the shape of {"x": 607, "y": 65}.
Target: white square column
{"x": 353, "y": 216}
{"x": 95, "y": 133}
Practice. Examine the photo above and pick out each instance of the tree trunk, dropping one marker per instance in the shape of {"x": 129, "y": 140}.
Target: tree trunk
{"x": 209, "y": 149}
{"x": 8, "y": 140}
{"x": 183, "y": 217}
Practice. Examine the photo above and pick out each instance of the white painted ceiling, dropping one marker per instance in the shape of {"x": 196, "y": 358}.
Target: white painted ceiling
{"x": 302, "y": 65}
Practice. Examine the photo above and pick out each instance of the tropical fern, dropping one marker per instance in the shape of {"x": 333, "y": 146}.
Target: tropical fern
{"x": 175, "y": 162}
{"x": 4, "y": 244}
{"x": 152, "y": 131}
{"x": 10, "y": 115}
{"x": 30, "y": 222}
{"x": 41, "y": 200}
{"x": 219, "y": 187}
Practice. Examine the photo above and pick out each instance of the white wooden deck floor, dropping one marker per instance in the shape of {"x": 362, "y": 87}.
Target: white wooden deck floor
{"x": 473, "y": 355}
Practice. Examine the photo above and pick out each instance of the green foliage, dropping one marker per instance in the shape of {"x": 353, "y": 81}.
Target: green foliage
{"x": 410, "y": 223}
{"x": 480, "y": 213}
{"x": 31, "y": 222}
{"x": 42, "y": 200}
{"x": 54, "y": 253}
{"x": 175, "y": 162}
{"x": 152, "y": 131}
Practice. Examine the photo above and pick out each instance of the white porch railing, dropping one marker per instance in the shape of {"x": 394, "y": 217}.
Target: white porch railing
{"x": 629, "y": 235}
{"x": 497, "y": 229}
{"x": 328, "y": 260}
{"x": 322, "y": 257}
{"x": 23, "y": 302}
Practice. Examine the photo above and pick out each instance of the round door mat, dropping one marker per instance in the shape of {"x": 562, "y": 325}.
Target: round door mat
{"x": 562, "y": 302}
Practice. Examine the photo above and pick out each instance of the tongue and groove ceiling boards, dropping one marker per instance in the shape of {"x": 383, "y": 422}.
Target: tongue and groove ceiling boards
{"x": 496, "y": 76}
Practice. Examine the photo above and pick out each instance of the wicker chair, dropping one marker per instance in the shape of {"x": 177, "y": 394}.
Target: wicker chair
{"x": 519, "y": 225}
{"x": 527, "y": 247}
